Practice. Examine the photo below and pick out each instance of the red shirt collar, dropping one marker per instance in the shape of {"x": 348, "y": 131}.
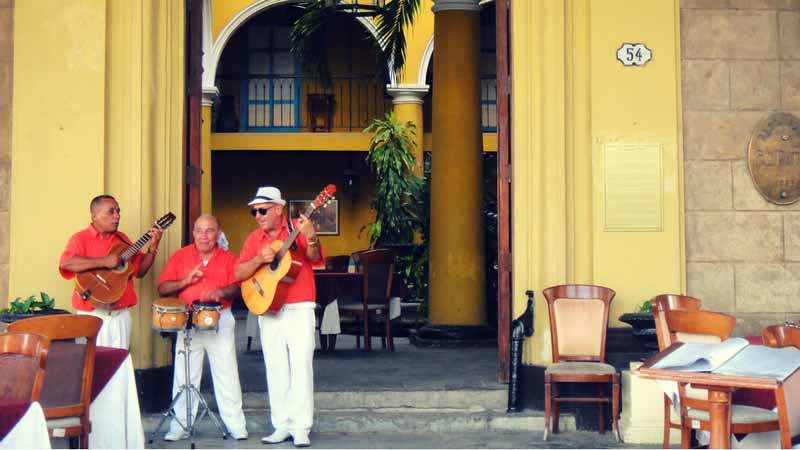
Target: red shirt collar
{"x": 196, "y": 254}
{"x": 283, "y": 233}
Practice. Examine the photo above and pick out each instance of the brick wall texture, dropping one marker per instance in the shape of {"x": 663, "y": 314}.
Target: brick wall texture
{"x": 6, "y": 65}
{"x": 740, "y": 62}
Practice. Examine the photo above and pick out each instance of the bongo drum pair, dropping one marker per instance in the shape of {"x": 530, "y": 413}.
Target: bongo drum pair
{"x": 171, "y": 315}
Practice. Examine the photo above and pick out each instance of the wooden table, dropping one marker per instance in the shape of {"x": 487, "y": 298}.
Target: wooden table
{"x": 719, "y": 389}
{"x": 330, "y": 286}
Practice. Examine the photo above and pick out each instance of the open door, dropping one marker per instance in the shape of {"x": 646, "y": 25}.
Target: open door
{"x": 503, "y": 190}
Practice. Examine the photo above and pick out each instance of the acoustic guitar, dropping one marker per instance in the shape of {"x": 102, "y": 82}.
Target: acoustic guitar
{"x": 266, "y": 290}
{"x": 104, "y": 287}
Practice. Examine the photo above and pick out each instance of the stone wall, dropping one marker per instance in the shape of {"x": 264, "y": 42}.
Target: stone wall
{"x": 740, "y": 62}
{"x": 6, "y": 64}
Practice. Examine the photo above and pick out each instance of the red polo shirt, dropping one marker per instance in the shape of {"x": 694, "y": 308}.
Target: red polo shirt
{"x": 90, "y": 243}
{"x": 302, "y": 289}
{"x": 217, "y": 273}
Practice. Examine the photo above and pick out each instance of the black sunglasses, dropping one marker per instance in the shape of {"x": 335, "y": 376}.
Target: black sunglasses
{"x": 262, "y": 211}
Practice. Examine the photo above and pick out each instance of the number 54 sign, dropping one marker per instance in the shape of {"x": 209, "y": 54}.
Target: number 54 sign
{"x": 634, "y": 54}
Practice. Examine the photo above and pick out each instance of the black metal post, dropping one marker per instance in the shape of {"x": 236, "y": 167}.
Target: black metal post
{"x": 520, "y": 328}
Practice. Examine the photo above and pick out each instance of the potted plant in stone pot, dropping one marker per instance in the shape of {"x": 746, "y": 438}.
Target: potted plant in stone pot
{"x": 23, "y": 308}
{"x": 643, "y": 324}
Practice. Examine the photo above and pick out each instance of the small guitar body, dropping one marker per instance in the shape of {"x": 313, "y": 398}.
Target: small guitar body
{"x": 266, "y": 290}
{"x": 105, "y": 286}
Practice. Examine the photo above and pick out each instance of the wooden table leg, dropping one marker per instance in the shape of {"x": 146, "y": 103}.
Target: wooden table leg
{"x": 719, "y": 415}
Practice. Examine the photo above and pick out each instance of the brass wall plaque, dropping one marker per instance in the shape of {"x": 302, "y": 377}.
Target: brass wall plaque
{"x": 773, "y": 158}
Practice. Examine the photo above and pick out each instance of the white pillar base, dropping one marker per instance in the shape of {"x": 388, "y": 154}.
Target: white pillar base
{"x": 642, "y": 418}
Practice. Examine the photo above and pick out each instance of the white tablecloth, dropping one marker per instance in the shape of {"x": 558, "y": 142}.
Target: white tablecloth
{"x": 29, "y": 432}
{"x": 330, "y": 323}
{"x": 116, "y": 419}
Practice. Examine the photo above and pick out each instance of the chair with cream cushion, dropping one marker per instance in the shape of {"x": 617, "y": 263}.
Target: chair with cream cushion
{"x": 578, "y": 323}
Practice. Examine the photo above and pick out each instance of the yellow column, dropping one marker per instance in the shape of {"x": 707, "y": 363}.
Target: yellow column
{"x": 407, "y": 101}
{"x": 209, "y": 94}
{"x": 457, "y": 278}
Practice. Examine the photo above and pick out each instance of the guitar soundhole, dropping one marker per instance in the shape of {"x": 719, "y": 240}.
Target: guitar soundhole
{"x": 120, "y": 267}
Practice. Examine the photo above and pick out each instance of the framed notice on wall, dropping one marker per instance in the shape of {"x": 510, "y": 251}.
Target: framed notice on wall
{"x": 326, "y": 219}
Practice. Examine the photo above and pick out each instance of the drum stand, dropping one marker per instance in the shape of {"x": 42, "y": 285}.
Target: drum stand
{"x": 191, "y": 391}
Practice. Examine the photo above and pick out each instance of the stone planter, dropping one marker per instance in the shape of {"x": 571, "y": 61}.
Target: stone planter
{"x": 10, "y": 317}
{"x": 644, "y": 328}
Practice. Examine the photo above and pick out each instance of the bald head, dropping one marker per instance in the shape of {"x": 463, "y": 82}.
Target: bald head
{"x": 207, "y": 218}
{"x": 206, "y": 233}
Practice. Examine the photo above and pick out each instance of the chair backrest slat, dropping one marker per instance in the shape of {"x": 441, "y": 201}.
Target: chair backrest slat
{"x": 378, "y": 269}
{"x": 669, "y": 302}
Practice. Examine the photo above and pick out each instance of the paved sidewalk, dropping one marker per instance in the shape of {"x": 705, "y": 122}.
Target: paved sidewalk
{"x": 572, "y": 439}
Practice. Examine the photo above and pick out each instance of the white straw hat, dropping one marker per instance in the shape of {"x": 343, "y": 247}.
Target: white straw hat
{"x": 268, "y": 194}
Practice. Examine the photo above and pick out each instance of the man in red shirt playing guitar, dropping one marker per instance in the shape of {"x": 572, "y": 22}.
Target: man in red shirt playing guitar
{"x": 89, "y": 249}
{"x": 287, "y": 338}
{"x": 203, "y": 271}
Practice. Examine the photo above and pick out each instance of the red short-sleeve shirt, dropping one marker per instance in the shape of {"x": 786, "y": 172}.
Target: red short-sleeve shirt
{"x": 217, "y": 273}
{"x": 302, "y": 289}
{"x": 89, "y": 243}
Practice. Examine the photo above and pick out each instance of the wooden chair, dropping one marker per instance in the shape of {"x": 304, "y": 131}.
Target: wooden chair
{"x": 23, "y": 358}
{"x": 337, "y": 263}
{"x": 67, "y": 388}
{"x": 578, "y": 324}
{"x": 708, "y": 326}
{"x": 378, "y": 269}
{"x": 662, "y": 304}
{"x": 779, "y": 336}
{"x": 788, "y": 396}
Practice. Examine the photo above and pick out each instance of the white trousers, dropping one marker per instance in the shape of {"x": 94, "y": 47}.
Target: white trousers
{"x": 221, "y": 348}
{"x": 287, "y": 341}
{"x": 116, "y": 329}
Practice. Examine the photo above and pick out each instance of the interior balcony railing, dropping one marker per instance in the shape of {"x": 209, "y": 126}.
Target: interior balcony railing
{"x": 281, "y": 103}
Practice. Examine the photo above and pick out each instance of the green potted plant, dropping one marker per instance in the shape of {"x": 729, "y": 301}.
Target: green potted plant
{"x": 22, "y": 308}
{"x": 643, "y": 324}
{"x": 401, "y": 203}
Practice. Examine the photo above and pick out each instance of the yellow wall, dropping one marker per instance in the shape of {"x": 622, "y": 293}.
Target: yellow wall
{"x": 572, "y": 98}
{"x": 300, "y": 176}
{"x": 97, "y": 108}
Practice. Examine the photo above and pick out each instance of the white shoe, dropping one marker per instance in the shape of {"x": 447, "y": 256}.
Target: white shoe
{"x": 301, "y": 440}
{"x": 239, "y": 435}
{"x": 173, "y": 436}
{"x": 276, "y": 437}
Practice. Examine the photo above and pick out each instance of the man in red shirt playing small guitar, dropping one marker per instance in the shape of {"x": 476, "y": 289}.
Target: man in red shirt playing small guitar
{"x": 203, "y": 271}
{"x": 287, "y": 338}
{"x": 89, "y": 249}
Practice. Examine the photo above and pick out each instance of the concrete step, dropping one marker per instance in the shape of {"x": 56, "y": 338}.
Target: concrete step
{"x": 487, "y": 399}
{"x": 391, "y": 420}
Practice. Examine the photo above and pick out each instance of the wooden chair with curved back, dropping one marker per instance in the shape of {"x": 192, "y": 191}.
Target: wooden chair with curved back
{"x": 661, "y": 304}
{"x": 23, "y": 358}
{"x": 788, "y": 398}
{"x": 377, "y": 267}
{"x": 337, "y": 263}
{"x": 67, "y": 388}
{"x": 711, "y": 327}
{"x": 578, "y": 324}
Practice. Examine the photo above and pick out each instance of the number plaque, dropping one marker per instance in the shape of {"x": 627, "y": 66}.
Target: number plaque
{"x": 634, "y": 54}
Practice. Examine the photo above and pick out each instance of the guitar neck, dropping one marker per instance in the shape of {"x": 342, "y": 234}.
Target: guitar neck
{"x": 134, "y": 248}
{"x": 296, "y": 232}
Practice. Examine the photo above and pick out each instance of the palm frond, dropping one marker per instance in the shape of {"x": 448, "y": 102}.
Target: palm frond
{"x": 308, "y": 41}
{"x": 392, "y": 21}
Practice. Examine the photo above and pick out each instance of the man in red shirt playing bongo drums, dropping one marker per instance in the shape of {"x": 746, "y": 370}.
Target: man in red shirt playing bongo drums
{"x": 287, "y": 338}
{"x": 203, "y": 271}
